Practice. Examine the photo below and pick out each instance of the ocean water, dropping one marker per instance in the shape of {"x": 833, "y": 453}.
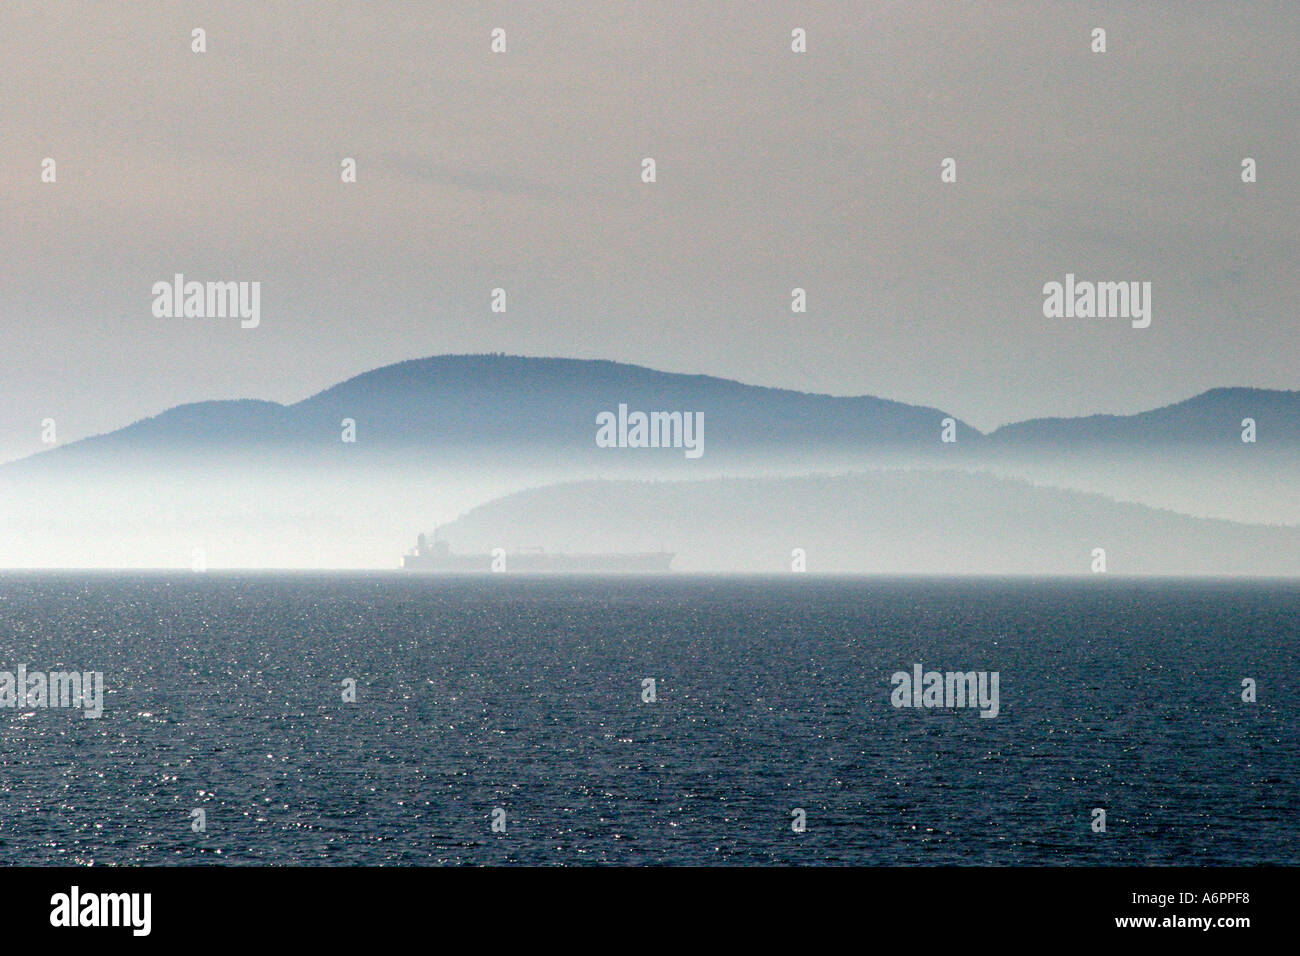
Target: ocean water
{"x": 223, "y": 692}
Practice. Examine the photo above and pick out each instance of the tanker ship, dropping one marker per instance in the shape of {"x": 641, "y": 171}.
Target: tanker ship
{"x": 437, "y": 557}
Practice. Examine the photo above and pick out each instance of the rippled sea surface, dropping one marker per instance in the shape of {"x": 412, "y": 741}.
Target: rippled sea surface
{"x": 224, "y": 693}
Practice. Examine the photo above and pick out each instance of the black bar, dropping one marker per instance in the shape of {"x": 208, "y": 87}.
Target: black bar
{"x": 654, "y": 906}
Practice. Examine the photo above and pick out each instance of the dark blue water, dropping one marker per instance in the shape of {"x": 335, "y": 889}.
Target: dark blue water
{"x": 223, "y": 692}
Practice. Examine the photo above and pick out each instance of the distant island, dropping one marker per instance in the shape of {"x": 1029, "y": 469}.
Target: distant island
{"x": 888, "y": 522}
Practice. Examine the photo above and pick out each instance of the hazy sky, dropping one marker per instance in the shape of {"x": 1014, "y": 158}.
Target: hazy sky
{"x": 522, "y": 170}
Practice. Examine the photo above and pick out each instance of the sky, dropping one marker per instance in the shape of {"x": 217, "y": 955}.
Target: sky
{"x": 522, "y": 170}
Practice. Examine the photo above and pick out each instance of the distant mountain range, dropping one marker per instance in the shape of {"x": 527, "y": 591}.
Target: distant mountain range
{"x": 1211, "y": 419}
{"x": 453, "y": 403}
{"x": 437, "y": 436}
{"x": 493, "y": 401}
